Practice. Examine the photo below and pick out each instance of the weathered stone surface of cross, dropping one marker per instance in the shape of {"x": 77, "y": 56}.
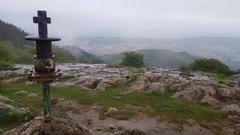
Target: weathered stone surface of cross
{"x": 42, "y": 20}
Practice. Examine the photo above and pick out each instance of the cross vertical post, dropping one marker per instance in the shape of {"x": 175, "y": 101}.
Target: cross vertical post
{"x": 44, "y": 61}
{"x": 46, "y": 100}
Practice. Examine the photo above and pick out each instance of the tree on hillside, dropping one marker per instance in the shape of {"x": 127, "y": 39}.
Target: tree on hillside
{"x": 25, "y": 55}
{"x": 6, "y": 51}
{"x": 6, "y": 55}
{"x": 209, "y": 65}
{"x": 133, "y": 59}
{"x": 13, "y": 34}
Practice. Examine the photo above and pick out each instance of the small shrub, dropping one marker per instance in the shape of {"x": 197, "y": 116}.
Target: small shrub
{"x": 133, "y": 59}
{"x": 6, "y": 51}
{"x": 210, "y": 66}
{"x": 221, "y": 78}
{"x": 5, "y": 65}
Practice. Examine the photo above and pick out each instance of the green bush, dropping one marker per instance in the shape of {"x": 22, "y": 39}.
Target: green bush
{"x": 6, "y": 51}
{"x": 25, "y": 55}
{"x": 133, "y": 59}
{"x": 5, "y": 65}
{"x": 210, "y": 66}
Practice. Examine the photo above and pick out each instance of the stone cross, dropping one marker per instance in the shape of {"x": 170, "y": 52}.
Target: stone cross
{"x": 42, "y": 20}
{"x": 44, "y": 63}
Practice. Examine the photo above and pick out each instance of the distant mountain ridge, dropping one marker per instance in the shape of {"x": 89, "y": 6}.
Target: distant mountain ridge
{"x": 166, "y": 58}
{"x": 156, "y": 58}
{"x": 16, "y": 36}
{"x": 81, "y": 55}
{"x": 226, "y": 49}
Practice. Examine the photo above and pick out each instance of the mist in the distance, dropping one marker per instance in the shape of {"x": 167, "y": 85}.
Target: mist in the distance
{"x": 128, "y": 18}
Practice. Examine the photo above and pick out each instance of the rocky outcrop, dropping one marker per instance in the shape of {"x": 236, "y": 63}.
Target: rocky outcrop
{"x": 8, "y": 106}
{"x": 211, "y": 101}
{"x": 93, "y": 77}
{"x": 196, "y": 86}
{"x": 133, "y": 132}
{"x": 183, "y": 86}
{"x": 233, "y": 109}
{"x": 66, "y": 105}
{"x": 18, "y": 72}
{"x": 56, "y": 126}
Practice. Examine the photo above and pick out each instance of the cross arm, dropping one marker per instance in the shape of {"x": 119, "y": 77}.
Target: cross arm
{"x": 44, "y": 20}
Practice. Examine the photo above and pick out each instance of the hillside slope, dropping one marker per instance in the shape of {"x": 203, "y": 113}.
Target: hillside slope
{"x": 166, "y": 58}
{"x": 156, "y": 57}
{"x": 225, "y": 49}
{"x": 81, "y": 55}
{"x": 13, "y": 34}
{"x": 20, "y": 51}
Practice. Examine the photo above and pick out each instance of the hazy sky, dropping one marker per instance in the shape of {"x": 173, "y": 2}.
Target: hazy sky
{"x": 128, "y": 18}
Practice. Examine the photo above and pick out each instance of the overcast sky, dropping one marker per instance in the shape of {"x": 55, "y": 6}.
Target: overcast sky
{"x": 128, "y": 18}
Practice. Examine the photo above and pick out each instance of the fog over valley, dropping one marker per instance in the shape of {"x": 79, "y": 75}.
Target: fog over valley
{"x": 202, "y": 28}
{"x": 124, "y": 18}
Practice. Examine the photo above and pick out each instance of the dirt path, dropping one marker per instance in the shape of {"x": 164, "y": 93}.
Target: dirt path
{"x": 151, "y": 126}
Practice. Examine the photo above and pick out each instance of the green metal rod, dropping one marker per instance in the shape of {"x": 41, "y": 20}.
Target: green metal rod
{"x": 46, "y": 100}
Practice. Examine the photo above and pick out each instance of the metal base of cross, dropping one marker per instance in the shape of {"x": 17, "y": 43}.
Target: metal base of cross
{"x": 46, "y": 101}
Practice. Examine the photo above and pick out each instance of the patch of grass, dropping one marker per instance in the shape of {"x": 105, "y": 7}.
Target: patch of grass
{"x": 65, "y": 78}
{"x": 12, "y": 119}
{"x": 59, "y": 114}
{"x": 154, "y": 103}
{"x": 221, "y": 78}
{"x": 119, "y": 115}
{"x": 35, "y": 103}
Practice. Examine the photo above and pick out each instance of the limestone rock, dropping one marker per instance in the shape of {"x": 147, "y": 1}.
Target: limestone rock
{"x": 112, "y": 110}
{"x": 157, "y": 87}
{"x": 237, "y": 128}
{"x": 66, "y": 105}
{"x": 1, "y": 131}
{"x": 232, "y": 109}
{"x": 92, "y": 83}
{"x": 211, "y": 101}
{"x": 21, "y": 93}
{"x": 133, "y": 132}
{"x": 5, "y": 99}
{"x": 139, "y": 86}
{"x": 190, "y": 94}
{"x": 226, "y": 93}
{"x": 55, "y": 127}
{"x": 8, "y": 106}
{"x": 32, "y": 94}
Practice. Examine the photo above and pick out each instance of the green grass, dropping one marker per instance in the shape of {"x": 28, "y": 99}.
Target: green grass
{"x": 221, "y": 78}
{"x": 128, "y": 105}
{"x": 154, "y": 104}
{"x": 10, "y": 120}
{"x": 5, "y": 65}
{"x": 65, "y": 78}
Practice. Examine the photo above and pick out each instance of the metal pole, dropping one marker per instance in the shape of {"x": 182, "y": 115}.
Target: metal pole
{"x": 46, "y": 100}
